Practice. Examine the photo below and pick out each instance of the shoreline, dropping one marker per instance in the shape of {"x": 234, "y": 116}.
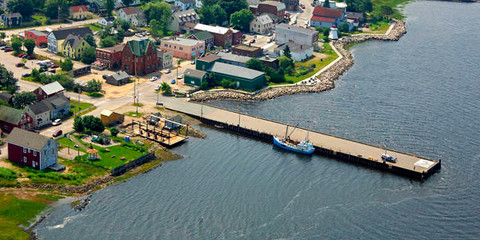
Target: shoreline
{"x": 326, "y": 76}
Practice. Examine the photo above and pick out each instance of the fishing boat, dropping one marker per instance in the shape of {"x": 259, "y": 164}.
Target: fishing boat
{"x": 286, "y": 143}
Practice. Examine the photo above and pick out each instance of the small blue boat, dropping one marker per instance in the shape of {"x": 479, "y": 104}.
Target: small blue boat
{"x": 302, "y": 147}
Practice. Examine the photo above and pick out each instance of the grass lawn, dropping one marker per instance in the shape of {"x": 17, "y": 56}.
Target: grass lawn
{"x": 74, "y": 105}
{"x": 8, "y": 178}
{"x": 133, "y": 114}
{"x": 15, "y": 212}
{"x": 65, "y": 142}
{"x": 375, "y": 28}
{"x": 40, "y": 18}
{"x": 93, "y": 26}
{"x": 112, "y": 159}
{"x": 394, "y": 4}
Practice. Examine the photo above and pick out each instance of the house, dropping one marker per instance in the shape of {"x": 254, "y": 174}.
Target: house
{"x": 205, "y": 63}
{"x": 60, "y": 106}
{"x": 134, "y": 16}
{"x": 262, "y": 24}
{"x": 120, "y": 3}
{"x": 32, "y": 149}
{"x": 246, "y": 50}
{"x": 204, "y": 36}
{"x": 245, "y": 78}
{"x": 106, "y": 21}
{"x": 222, "y": 36}
{"x": 78, "y": 12}
{"x": 179, "y": 19}
{"x": 74, "y": 46}
{"x": 48, "y": 90}
{"x": 6, "y": 97}
{"x": 57, "y": 37}
{"x": 185, "y": 4}
{"x": 40, "y": 38}
{"x": 334, "y": 5}
{"x": 165, "y": 57}
{"x": 299, "y": 52}
{"x": 357, "y": 17}
{"x": 110, "y": 57}
{"x": 194, "y": 77}
{"x": 233, "y": 59}
{"x": 96, "y": 6}
{"x": 12, "y": 19}
{"x": 291, "y": 5}
{"x": 269, "y": 61}
{"x": 118, "y": 79}
{"x": 287, "y": 33}
{"x": 11, "y": 118}
{"x": 40, "y": 112}
{"x": 274, "y": 9}
{"x": 111, "y": 118}
{"x": 183, "y": 47}
{"x": 327, "y": 17}
{"x": 140, "y": 57}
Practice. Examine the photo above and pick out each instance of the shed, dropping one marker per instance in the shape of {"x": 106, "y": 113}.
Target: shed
{"x": 194, "y": 77}
{"x": 118, "y": 79}
{"x": 111, "y": 118}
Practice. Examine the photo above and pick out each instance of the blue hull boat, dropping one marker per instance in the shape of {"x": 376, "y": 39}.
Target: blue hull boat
{"x": 303, "y": 147}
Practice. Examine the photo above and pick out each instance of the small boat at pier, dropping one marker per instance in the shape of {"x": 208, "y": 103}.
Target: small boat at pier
{"x": 286, "y": 143}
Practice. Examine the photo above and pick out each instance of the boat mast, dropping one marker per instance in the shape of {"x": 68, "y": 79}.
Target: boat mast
{"x": 286, "y": 132}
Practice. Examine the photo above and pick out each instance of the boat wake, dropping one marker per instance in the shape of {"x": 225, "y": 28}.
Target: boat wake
{"x": 65, "y": 221}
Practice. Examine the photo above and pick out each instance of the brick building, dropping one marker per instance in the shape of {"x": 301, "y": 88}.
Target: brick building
{"x": 40, "y": 38}
{"x": 111, "y": 57}
{"x": 222, "y": 36}
{"x": 11, "y": 118}
{"x": 140, "y": 57}
{"x": 274, "y": 9}
{"x": 245, "y": 50}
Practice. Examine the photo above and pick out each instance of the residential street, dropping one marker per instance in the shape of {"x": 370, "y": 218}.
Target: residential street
{"x": 55, "y": 26}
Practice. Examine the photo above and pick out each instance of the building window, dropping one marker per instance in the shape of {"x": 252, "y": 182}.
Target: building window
{"x": 25, "y": 159}
{"x": 34, "y": 153}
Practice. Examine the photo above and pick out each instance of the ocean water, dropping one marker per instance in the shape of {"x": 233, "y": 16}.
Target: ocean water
{"x": 419, "y": 95}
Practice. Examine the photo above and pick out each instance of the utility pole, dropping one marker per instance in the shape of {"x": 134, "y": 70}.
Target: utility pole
{"x": 78, "y": 107}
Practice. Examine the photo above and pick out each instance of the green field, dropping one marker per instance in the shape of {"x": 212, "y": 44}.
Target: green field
{"x": 396, "y": 5}
{"x": 8, "y": 178}
{"x": 113, "y": 159}
{"x": 74, "y": 107}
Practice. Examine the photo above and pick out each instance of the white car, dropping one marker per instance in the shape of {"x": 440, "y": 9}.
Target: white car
{"x": 57, "y": 122}
{"x": 167, "y": 71}
{"x": 180, "y": 76}
{"x": 157, "y": 88}
{"x": 154, "y": 78}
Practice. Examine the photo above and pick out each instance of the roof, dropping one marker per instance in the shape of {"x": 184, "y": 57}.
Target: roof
{"x": 186, "y": 16}
{"x": 77, "y": 8}
{"x": 119, "y": 76}
{"x": 233, "y": 57}
{"x": 38, "y": 33}
{"x": 323, "y": 19}
{"x": 209, "y": 58}
{"x": 57, "y": 101}
{"x": 212, "y": 29}
{"x": 296, "y": 29}
{"x": 63, "y": 33}
{"x": 52, "y": 88}
{"x": 190, "y": 24}
{"x": 5, "y": 96}
{"x": 139, "y": 47}
{"x": 280, "y": 6}
{"x": 130, "y": 10}
{"x": 294, "y": 47}
{"x": 187, "y": 1}
{"x": 263, "y": 19}
{"x": 106, "y": 113}
{"x": 327, "y": 12}
{"x": 246, "y": 47}
{"x": 27, "y": 139}
{"x": 40, "y": 107}
{"x": 203, "y": 35}
{"x": 354, "y": 15}
{"x": 233, "y": 70}
{"x": 116, "y": 48}
{"x": 10, "y": 115}
{"x": 12, "y": 15}
{"x": 183, "y": 41}
{"x": 74, "y": 40}
{"x": 195, "y": 73}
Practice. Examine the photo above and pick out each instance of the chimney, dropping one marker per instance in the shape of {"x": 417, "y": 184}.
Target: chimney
{"x": 301, "y": 46}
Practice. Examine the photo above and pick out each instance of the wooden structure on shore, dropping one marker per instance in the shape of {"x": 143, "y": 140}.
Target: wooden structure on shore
{"x": 158, "y": 134}
{"x": 327, "y": 145}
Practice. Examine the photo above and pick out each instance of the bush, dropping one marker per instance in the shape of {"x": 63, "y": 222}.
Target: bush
{"x": 114, "y": 132}
{"x": 66, "y": 65}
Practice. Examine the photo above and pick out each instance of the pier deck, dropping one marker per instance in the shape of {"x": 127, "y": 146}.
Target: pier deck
{"x": 325, "y": 144}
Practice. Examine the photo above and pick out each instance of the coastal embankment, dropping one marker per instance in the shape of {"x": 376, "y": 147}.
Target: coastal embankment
{"x": 326, "y": 79}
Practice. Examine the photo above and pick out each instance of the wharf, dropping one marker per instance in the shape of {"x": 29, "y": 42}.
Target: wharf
{"x": 327, "y": 145}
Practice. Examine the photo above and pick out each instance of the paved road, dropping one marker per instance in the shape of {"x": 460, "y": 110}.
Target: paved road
{"x": 9, "y": 33}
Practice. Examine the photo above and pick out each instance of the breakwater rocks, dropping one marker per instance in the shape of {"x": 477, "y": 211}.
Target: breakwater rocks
{"x": 326, "y": 80}
{"x": 73, "y": 189}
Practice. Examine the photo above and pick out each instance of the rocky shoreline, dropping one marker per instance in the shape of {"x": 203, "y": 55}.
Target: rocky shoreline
{"x": 326, "y": 79}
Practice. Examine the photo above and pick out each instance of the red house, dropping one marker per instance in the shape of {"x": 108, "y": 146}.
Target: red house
{"x": 111, "y": 57}
{"x": 31, "y": 149}
{"x": 11, "y": 118}
{"x": 40, "y": 38}
{"x": 48, "y": 90}
{"x": 140, "y": 57}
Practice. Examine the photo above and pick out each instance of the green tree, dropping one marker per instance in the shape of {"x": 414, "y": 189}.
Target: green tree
{"x": 162, "y": 12}
{"x": 165, "y": 88}
{"x": 29, "y": 45}
{"x": 359, "y": 5}
{"x": 124, "y": 25}
{"x": 155, "y": 28}
{"x": 286, "y": 52}
{"x": 90, "y": 40}
{"x": 120, "y": 35}
{"x": 56, "y": 9}
{"x": 386, "y": 11}
{"x": 97, "y": 125}
{"x": 127, "y": 2}
{"x": 23, "y": 99}
{"x": 2, "y": 35}
{"x": 254, "y": 63}
{"x": 35, "y": 75}
{"x": 6, "y": 78}
{"x": 109, "y": 5}
{"x": 16, "y": 44}
{"x": 66, "y": 65}
{"x": 344, "y": 27}
{"x": 326, "y": 4}
{"x": 94, "y": 85}
{"x": 286, "y": 64}
{"x": 78, "y": 124}
{"x": 108, "y": 42}
{"x": 87, "y": 122}
{"x": 230, "y": 6}
{"x": 326, "y": 31}
{"x": 24, "y": 7}
{"x": 89, "y": 55}
{"x": 114, "y": 131}
{"x": 242, "y": 19}
{"x": 213, "y": 14}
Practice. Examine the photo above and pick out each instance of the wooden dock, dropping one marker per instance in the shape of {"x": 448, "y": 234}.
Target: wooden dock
{"x": 157, "y": 134}
{"x": 327, "y": 145}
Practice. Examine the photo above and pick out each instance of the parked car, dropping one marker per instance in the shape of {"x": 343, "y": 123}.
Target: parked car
{"x": 3, "y": 47}
{"x": 26, "y": 75}
{"x": 31, "y": 57}
{"x": 180, "y": 76}
{"x": 57, "y": 133}
{"x": 52, "y": 71}
{"x": 388, "y": 158}
{"x": 53, "y": 65}
{"x": 20, "y": 55}
{"x": 167, "y": 71}
{"x": 252, "y": 41}
{"x": 8, "y": 49}
{"x": 193, "y": 62}
{"x": 154, "y": 78}
{"x": 157, "y": 88}
{"x": 57, "y": 122}
{"x": 173, "y": 81}
{"x": 20, "y": 64}
{"x": 105, "y": 76}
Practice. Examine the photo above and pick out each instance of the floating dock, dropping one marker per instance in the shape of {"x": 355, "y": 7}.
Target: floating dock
{"x": 165, "y": 137}
{"x": 327, "y": 145}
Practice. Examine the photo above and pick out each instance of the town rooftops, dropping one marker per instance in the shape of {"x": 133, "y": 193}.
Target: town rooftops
{"x": 246, "y": 47}
{"x": 280, "y": 6}
{"x": 233, "y": 70}
{"x": 12, "y": 15}
{"x": 10, "y": 115}
{"x": 74, "y": 40}
{"x": 233, "y": 57}
{"x": 203, "y": 35}
{"x": 63, "y": 33}
{"x": 195, "y": 73}
{"x": 295, "y": 29}
{"x": 131, "y": 10}
{"x": 52, "y": 88}
{"x": 119, "y": 76}
{"x": 77, "y": 8}
{"x": 354, "y": 15}
{"x": 294, "y": 47}
{"x": 139, "y": 47}
{"x": 212, "y": 29}
{"x": 327, "y": 12}
{"x": 57, "y": 100}
{"x": 209, "y": 58}
{"x": 186, "y": 16}
{"x": 106, "y": 113}
{"x": 264, "y": 19}
{"x": 27, "y": 139}
{"x": 323, "y": 19}
{"x": 38, "y": 33}
{"x": 40, "y": 107}
{"x": 116, "y": 48}
{"x": 183, "y": 41}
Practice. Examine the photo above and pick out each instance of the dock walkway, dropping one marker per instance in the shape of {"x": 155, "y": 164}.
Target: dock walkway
{"x": 325, "y": 144}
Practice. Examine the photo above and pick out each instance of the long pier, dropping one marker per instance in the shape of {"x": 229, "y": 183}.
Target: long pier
{"x": 327, "y": 145}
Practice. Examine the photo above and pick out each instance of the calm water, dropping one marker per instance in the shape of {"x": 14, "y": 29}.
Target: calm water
{"x": 419, "y": 95}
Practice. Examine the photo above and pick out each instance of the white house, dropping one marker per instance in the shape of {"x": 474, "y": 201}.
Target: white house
{"x": 185, "y": 4}
{"x": 262, "y": 24}
{"x": 182, "y": 17}
{"x": 134, "y": 16}
{"x": 40, "y": 113}
{"x": 105, "y": 22}
{"x": 299, "y": 52}
{"x": 287, "y": 33}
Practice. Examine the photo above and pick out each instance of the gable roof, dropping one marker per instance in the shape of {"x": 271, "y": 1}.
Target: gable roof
{"x": 52, "y": 88}
{"x": 10, "y": 115}
{"x": 40, "y": 107}
{"x": 106, "y": 112}
{"x": 296, "y": 29}
{"x": 233, "y": 57}
{"x": 74, "y": 41}
{"x": 234, "y": 70}
{"x": 7, "y": 97}
{"x": 57, "y": 101}
{"x": 118, "y": 76}
{"x": 27, "y": 139}
{"x": 77, "y": 8}
{"x": 263, "y": 19}
{"x": 63, "y": 33}
{"x": 279, "y": 5}
{"x": 186, "y": 16}
{"x": 203, "y": 35}
{"x": 327, "y": 12}
{"x": 212, "y": 29}
{"x": 209, "y": 58}
{"x": 130, "y": 10}
{"x": 322, "y": 19}
{"x": 139, "y": 47}
{"x": 195, "y": 73}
